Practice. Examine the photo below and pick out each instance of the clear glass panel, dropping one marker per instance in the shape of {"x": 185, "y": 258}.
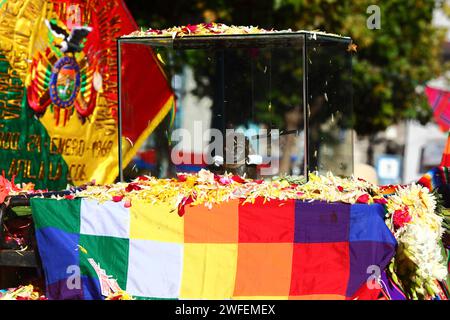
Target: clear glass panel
{"x": 330, "y": 106}
{"x": 239, "y": 99}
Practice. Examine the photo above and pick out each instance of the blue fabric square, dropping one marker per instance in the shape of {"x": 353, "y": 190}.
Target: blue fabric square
{"x": 91, "y": 288}
{"x": 58, "y": 250}
{"x": 367, "y": 224}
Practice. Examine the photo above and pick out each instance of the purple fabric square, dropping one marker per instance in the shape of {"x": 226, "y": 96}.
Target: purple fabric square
{"x": 60, "y": 290}
{"x": 318, "y": 222}
{"x": 89, "y": 289}
{"x": 392, "y": 290}
{"x": 366, "y": 259}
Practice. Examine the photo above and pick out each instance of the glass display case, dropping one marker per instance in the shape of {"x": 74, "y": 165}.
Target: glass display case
{"x": 256, "y": 104}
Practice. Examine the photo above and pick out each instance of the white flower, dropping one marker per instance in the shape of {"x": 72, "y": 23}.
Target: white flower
{"x": 420, "y": 238}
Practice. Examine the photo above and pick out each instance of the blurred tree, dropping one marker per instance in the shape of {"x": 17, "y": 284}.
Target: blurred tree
{"x": 391, "y": 63}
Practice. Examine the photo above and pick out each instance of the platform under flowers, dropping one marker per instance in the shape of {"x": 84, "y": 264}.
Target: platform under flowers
{"x": 205, "y": 236}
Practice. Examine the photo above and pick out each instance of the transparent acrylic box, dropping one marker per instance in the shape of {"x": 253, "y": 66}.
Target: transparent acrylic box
{"x": 288, "y": 96}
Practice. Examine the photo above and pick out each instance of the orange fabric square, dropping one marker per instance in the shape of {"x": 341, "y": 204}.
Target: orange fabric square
{"x": 320, "y": 268}
{"x": 216, "y": 225}
{"x": 263, "y": 269}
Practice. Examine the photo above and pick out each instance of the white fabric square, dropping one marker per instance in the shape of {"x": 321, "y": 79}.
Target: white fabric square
{"x": 107, "y": 219}
{"x": 154, "y": 269}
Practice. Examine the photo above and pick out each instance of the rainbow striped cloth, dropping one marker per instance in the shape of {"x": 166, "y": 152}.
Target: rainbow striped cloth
{"x": 273, "y": 250}
{"x": 435, "y": 178}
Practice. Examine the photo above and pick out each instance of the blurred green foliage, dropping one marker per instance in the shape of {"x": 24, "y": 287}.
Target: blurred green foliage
{"x": 390, "y": 65}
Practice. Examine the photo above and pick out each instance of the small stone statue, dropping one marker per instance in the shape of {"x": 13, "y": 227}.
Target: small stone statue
{"x": 238, "y": 159}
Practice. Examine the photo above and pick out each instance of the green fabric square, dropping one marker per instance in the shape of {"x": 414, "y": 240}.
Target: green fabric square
{"x": 109, "y": 252}
{"x": 61, "y": 214}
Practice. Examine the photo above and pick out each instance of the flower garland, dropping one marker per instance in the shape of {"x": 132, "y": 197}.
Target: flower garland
{"x": 208, "y": 189}
{"x": 198, "y": 30}
{"x": 28, "y": 292}
{"x": 418, "y": 263}
{"x": 206, "y": 29}
{"x": 411, "y": 212}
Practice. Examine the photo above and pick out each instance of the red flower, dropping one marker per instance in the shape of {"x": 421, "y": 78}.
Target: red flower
{"x": 341, "y": 189}
{"x": 183, "y": 203}
{"x": 69, "y": 197}
{"x": 127, "y": 203}
{"x": 380, "y": 200}
{"x": 117, "y": 198}
{"x": 132, "y": 186}
{"x": 401, "y": 217}
{"x": 154, "y": 31}
{"x": 13, "y": 185}
{"x": 190, "y": 29}
{"x": 182, "y": 178}
{"x": 142, "y": 178}
{"x": 238, "y": 179}
{"x": 363, "y": 198}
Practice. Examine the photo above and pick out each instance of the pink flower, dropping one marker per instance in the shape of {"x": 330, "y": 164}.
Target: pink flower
{"x": 225, "y": 180}
{"x": 127, "y": 203}
{"x": 401, "y": 217}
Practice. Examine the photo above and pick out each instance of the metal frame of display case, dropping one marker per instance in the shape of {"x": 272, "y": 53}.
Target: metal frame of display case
{"x": 262, "y": 40}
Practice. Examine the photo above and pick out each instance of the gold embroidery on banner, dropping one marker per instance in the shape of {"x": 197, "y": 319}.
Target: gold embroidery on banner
{"x": 58, "y": 173}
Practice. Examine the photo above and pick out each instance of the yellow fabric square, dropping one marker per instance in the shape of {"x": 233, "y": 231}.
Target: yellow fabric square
{"x": 155, "y": 222}
{"x": 209, "y": 271}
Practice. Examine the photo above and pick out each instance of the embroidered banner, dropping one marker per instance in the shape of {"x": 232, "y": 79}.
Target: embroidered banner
{"x": 58, "y": 90}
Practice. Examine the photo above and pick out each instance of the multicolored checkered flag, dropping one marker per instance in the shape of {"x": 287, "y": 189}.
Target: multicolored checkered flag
{"x": 266, "y": 250}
